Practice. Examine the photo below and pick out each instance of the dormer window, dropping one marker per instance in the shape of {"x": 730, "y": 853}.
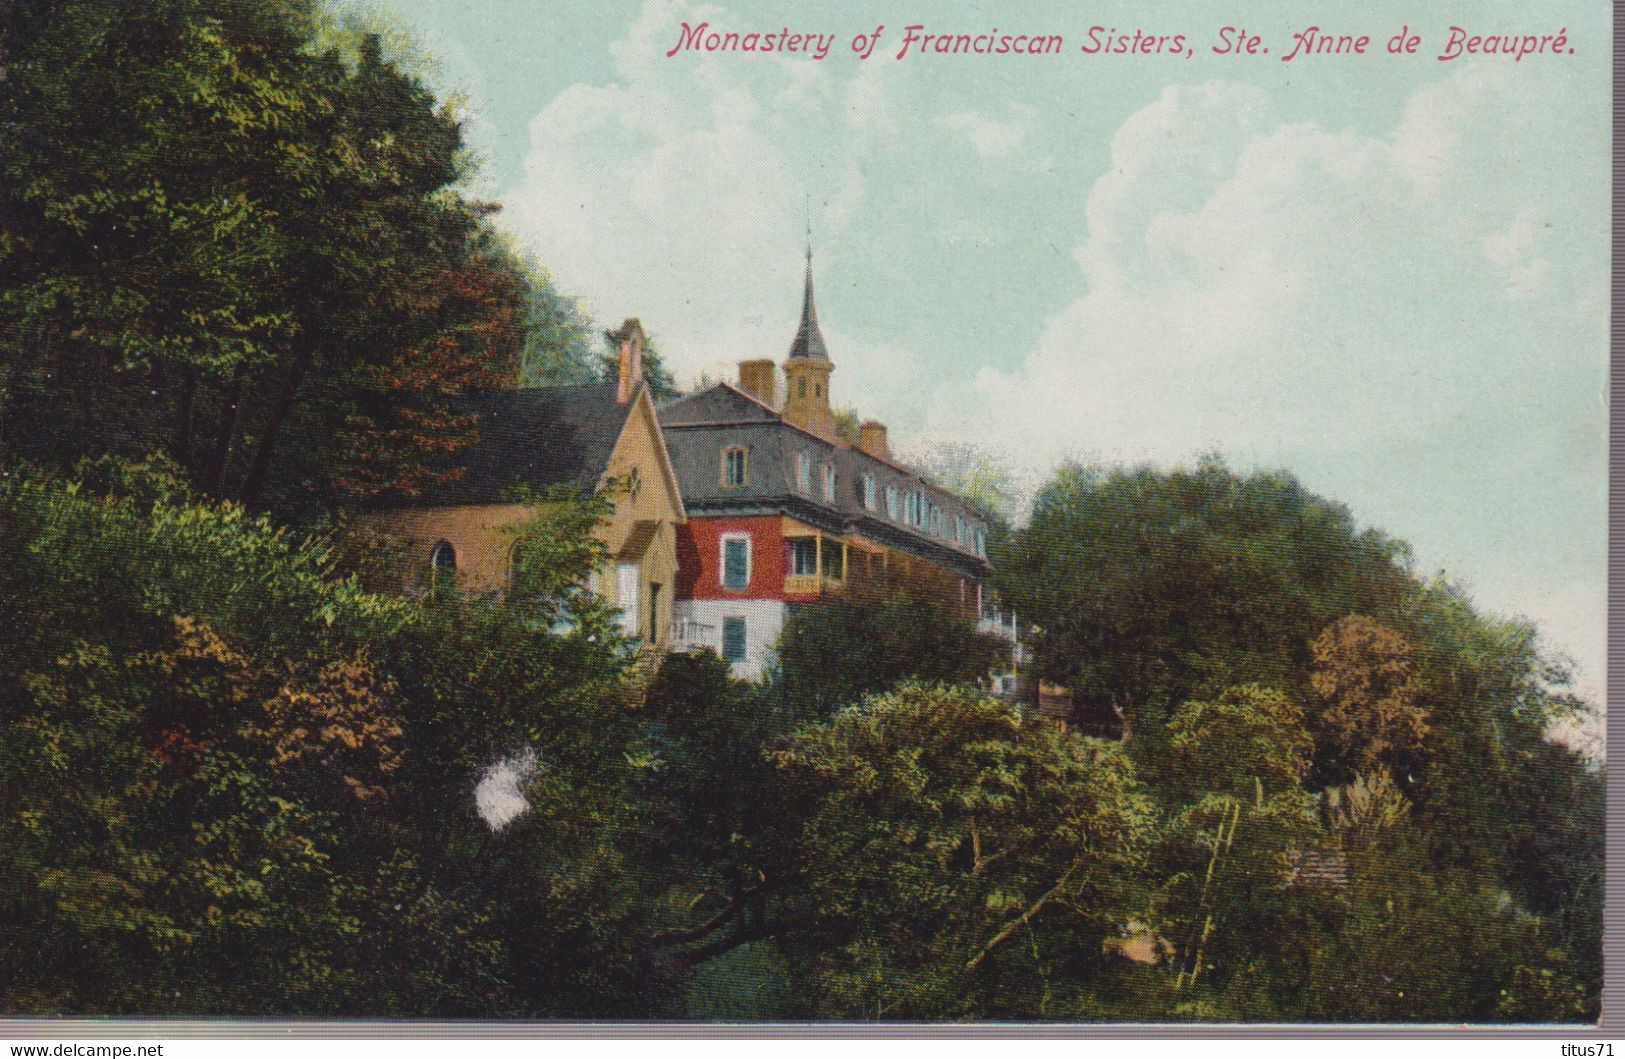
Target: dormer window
{"x": 869, "y": 492}
{"x": 893, "y": 509}
{"x": 803, "y": 472}
{"x": 829, "y": 483}
{"x": 733, "y": 467}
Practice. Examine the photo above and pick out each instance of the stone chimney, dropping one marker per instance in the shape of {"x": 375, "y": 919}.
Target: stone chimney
{"x": 759, "y": 378}
{"x": 630, "y": 340}
{"x": 872, "y": 438}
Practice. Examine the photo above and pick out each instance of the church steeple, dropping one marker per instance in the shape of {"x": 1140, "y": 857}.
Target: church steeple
{"x": 808, "y": 368}
{"x": 809, "y": 341}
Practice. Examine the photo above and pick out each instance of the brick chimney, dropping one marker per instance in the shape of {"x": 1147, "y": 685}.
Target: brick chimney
{"x": 630, "y": 340}
{"x": 872, "y": 438}
{"x": 759, "y": 378}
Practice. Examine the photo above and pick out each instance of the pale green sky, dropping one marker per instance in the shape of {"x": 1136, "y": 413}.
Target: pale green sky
{"x": 1388, "y": 275}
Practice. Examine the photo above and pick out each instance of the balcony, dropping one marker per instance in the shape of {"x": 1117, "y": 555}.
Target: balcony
{"x": 1000, "y": 623}
{"x": 817, "y": 565}
{"x": 812, "y": 584}
{"x": 687, "y": 634}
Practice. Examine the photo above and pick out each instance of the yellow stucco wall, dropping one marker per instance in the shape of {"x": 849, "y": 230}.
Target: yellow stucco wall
{"x": 482, "y": 534}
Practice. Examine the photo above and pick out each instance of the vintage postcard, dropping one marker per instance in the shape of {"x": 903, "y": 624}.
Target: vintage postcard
{"x": 774, "y": 512}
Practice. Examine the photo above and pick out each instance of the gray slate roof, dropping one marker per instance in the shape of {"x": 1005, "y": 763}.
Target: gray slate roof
{"x": 543, "y": 436}
{"x": 699, "y": 427}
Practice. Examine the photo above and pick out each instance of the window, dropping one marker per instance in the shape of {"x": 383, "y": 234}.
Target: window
{"x": 804, "y": 472}
{"x": 892, "y": 508}
{"x": 736, "y": 562}
{"x": 981, "y": 541}
{"x": 626, "y": 596}
{"x": 733, "y": 639}
{"x": 829, "y": 482}
{"x": 959, "y": 530}
{"x": 803, "y": 556}
{"x": 734, "y": 467}
{"x": 801, "y": 387}
{"x": 869, "y": 491}
{"x": 834, "y": 560}
{"x": 443, "y": 565}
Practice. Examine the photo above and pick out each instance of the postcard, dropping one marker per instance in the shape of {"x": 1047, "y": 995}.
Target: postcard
{"x": 669, "y": 511}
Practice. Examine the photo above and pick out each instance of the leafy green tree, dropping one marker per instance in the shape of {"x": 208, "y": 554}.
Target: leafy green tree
{"x": 714, "y": 817}
{"x": 236, "y": 783}
{"x": 834, "y": 654}
{"x": 1239, "y": 814}
{"x": 285, "y": 321}
{"x": 956, "y": 862}
{"x": 174, "y": 832}
{"x": 662, "y": 384}
{"x": 1419, "y": 944}
{"x": 560, "y": 348}
{"x": 1149, "y": 588}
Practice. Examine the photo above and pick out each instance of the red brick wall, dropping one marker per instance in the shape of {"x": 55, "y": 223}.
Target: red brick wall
{"x": 699, "y": 558}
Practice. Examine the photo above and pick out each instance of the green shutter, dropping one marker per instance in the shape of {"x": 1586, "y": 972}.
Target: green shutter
{"x": 733, "y": 639}
{"x": 736, "y": 564}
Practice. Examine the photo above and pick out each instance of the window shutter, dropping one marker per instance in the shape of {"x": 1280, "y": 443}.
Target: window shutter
{"x": 733, "y": 639}
{"x": 735, "y": 564}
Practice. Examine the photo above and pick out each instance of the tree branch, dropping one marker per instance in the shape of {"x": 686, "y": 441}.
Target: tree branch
{"x": 1016, "y": 924}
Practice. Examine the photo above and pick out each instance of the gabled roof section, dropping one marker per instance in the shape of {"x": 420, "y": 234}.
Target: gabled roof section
{"x": 721, "y": 403}
{"x": 543, "y": 436}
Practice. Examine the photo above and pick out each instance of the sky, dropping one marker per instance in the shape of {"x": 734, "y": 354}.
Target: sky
{"x": 1385, "y": 274}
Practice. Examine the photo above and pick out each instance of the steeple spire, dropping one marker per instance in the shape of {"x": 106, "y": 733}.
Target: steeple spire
{"x": 809, "y": 341}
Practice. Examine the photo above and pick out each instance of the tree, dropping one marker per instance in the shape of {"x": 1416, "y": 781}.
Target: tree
{"x": 662, "y": 385}
{"x": 976, "y": 477}
{"x": 560, "y": 349}
{"x": 285, "y": 322}
{"x": 956, "y": 862}
{"x": 1149, "y": 588}
{"x": 878, "y": 644}
{"x": 715, "y": 818}
{"x": 1239, "y": 814}
{"x": 233, "y": 782}
{"x": 185, "y": 758}
{"x": 1365, "y": 687}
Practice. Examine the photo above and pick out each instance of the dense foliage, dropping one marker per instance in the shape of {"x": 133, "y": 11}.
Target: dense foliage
{"x": 237, "y": 782}
{"x": 835, "y": 654}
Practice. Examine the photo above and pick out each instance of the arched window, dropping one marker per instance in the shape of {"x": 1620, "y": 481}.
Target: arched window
{"x": 443, "y": 565}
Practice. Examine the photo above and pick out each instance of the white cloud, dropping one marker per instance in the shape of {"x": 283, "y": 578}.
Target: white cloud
{"x": 995, "y": 138}
{"x": 662, "y": 193}
{"x": 1374, "y": 312}
{"x": 1513, "y": 249}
